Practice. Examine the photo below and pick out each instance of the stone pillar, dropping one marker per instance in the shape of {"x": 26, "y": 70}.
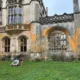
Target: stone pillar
{"x": 13, "y": 44}
{"x": 75, "y": 6}
{"x": 76, "y": 19}
{"x": 4, "y": 12}
{"x": 36, "y": 37}
{"x": 29, "y": 44}
{"x": 17, "y": 45}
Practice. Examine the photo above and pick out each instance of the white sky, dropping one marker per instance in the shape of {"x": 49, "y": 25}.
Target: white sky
{"x": 59, "y": 6}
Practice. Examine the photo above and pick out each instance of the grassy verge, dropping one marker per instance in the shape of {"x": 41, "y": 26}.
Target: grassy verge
{"x": 48, "y": 70}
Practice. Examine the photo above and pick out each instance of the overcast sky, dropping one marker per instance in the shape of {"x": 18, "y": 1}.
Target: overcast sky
{"x": 59, "y": 6}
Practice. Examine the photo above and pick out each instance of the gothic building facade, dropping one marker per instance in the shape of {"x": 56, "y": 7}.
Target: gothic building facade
{"x": 25, "y": 27}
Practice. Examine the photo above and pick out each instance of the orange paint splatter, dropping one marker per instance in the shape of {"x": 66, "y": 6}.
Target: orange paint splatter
{"x": 73, "y": 44}
{"x": 33, "y": 38}
{"x": 44, "y": 32}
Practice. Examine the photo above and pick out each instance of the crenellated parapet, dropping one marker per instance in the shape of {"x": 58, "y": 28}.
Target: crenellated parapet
{"x": 57, "y": 18}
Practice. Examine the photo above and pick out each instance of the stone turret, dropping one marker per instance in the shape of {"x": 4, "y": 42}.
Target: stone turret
{"x": 77, "y": 22}
{"x": 75, "y": 6}
{"x": 76, "y": 14}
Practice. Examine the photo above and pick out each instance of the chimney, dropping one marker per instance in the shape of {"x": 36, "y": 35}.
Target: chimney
{"x": 75, "y": 6}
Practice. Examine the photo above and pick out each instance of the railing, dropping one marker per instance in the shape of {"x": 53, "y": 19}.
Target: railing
{"x": 15, "y": 27}
{"x": 18, "y": 27}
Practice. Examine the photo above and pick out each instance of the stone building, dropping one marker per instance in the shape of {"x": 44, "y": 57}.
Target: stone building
{"x": 25, "y": 27}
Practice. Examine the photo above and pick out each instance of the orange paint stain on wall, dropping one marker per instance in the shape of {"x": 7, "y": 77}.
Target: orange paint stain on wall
{"x": 73, "y": 43}
{"x": 45, "y": 31}
{"x": 33, "y": 38}
{"x": 38, "y": 48}
{"x": 78, "y": 32}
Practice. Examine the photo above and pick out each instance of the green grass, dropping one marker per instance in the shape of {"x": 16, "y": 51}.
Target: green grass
{"x": 47, "y": 70}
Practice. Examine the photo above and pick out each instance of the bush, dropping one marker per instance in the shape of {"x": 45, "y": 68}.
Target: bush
{"x": 25, "y": 57}
{"x": 78, "y": 56}
{"x": 62, "y": 57}
{"x": 6, "y": 58}
{"x": 37, "y": 59}
{"x": 55, "y": 57}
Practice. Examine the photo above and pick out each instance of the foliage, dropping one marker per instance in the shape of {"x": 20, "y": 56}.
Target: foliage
{"x": 62, "y": 57}
{"x": 78, "y": 56}
{"x": 37, "y": 59}
{"x": 6, "y": 58}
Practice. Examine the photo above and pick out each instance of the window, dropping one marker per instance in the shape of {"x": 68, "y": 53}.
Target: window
{"x": 57, "y": 40}
{"x": 6, "y": 44}
{"x": 14, "y": 14}
{"x": 0, "y": 16}
{"x": 23, "y": 44}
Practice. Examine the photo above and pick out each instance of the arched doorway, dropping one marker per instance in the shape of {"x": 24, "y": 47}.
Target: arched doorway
{"x": 57, "y": 40}
{"x": 23, "y": 44}
{"x": 6, "y": 44}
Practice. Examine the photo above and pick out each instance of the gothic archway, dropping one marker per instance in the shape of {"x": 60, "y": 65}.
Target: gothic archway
{"x": 57, "y": 40}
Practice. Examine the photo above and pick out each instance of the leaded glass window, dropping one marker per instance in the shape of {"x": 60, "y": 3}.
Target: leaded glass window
{"x": 57, "y": 40}
{"x": 23, "y": 44}
{"x": 14, "y": 14}
{"x": 6, "y": 44}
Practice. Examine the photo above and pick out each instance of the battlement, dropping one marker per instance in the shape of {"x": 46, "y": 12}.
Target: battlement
{"x": 57, "y": 18}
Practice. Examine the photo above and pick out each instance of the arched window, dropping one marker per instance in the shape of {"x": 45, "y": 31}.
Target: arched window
{"x": 6, "y": 42}
{"x": 57, "y": 40}
{"x": 23, "y": 44}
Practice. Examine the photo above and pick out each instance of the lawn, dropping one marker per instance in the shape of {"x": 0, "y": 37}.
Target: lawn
{"x": 46, "y": 70}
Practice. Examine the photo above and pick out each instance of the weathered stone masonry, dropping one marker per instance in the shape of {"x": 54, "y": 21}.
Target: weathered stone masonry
{"x": 26, "y": 27}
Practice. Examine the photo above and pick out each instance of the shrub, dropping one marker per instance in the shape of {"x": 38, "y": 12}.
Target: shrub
{"x": 37, "y": 59}
{"x": 78, "y": 56}
{"x": 25, "y": 57}
{"x": 62, "y": 57}
{"x": 55, "y": 57}
{"x": 6, "y": 58}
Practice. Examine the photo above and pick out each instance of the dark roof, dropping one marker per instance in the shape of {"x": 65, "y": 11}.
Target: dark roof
{"x": 57, "y": 18}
